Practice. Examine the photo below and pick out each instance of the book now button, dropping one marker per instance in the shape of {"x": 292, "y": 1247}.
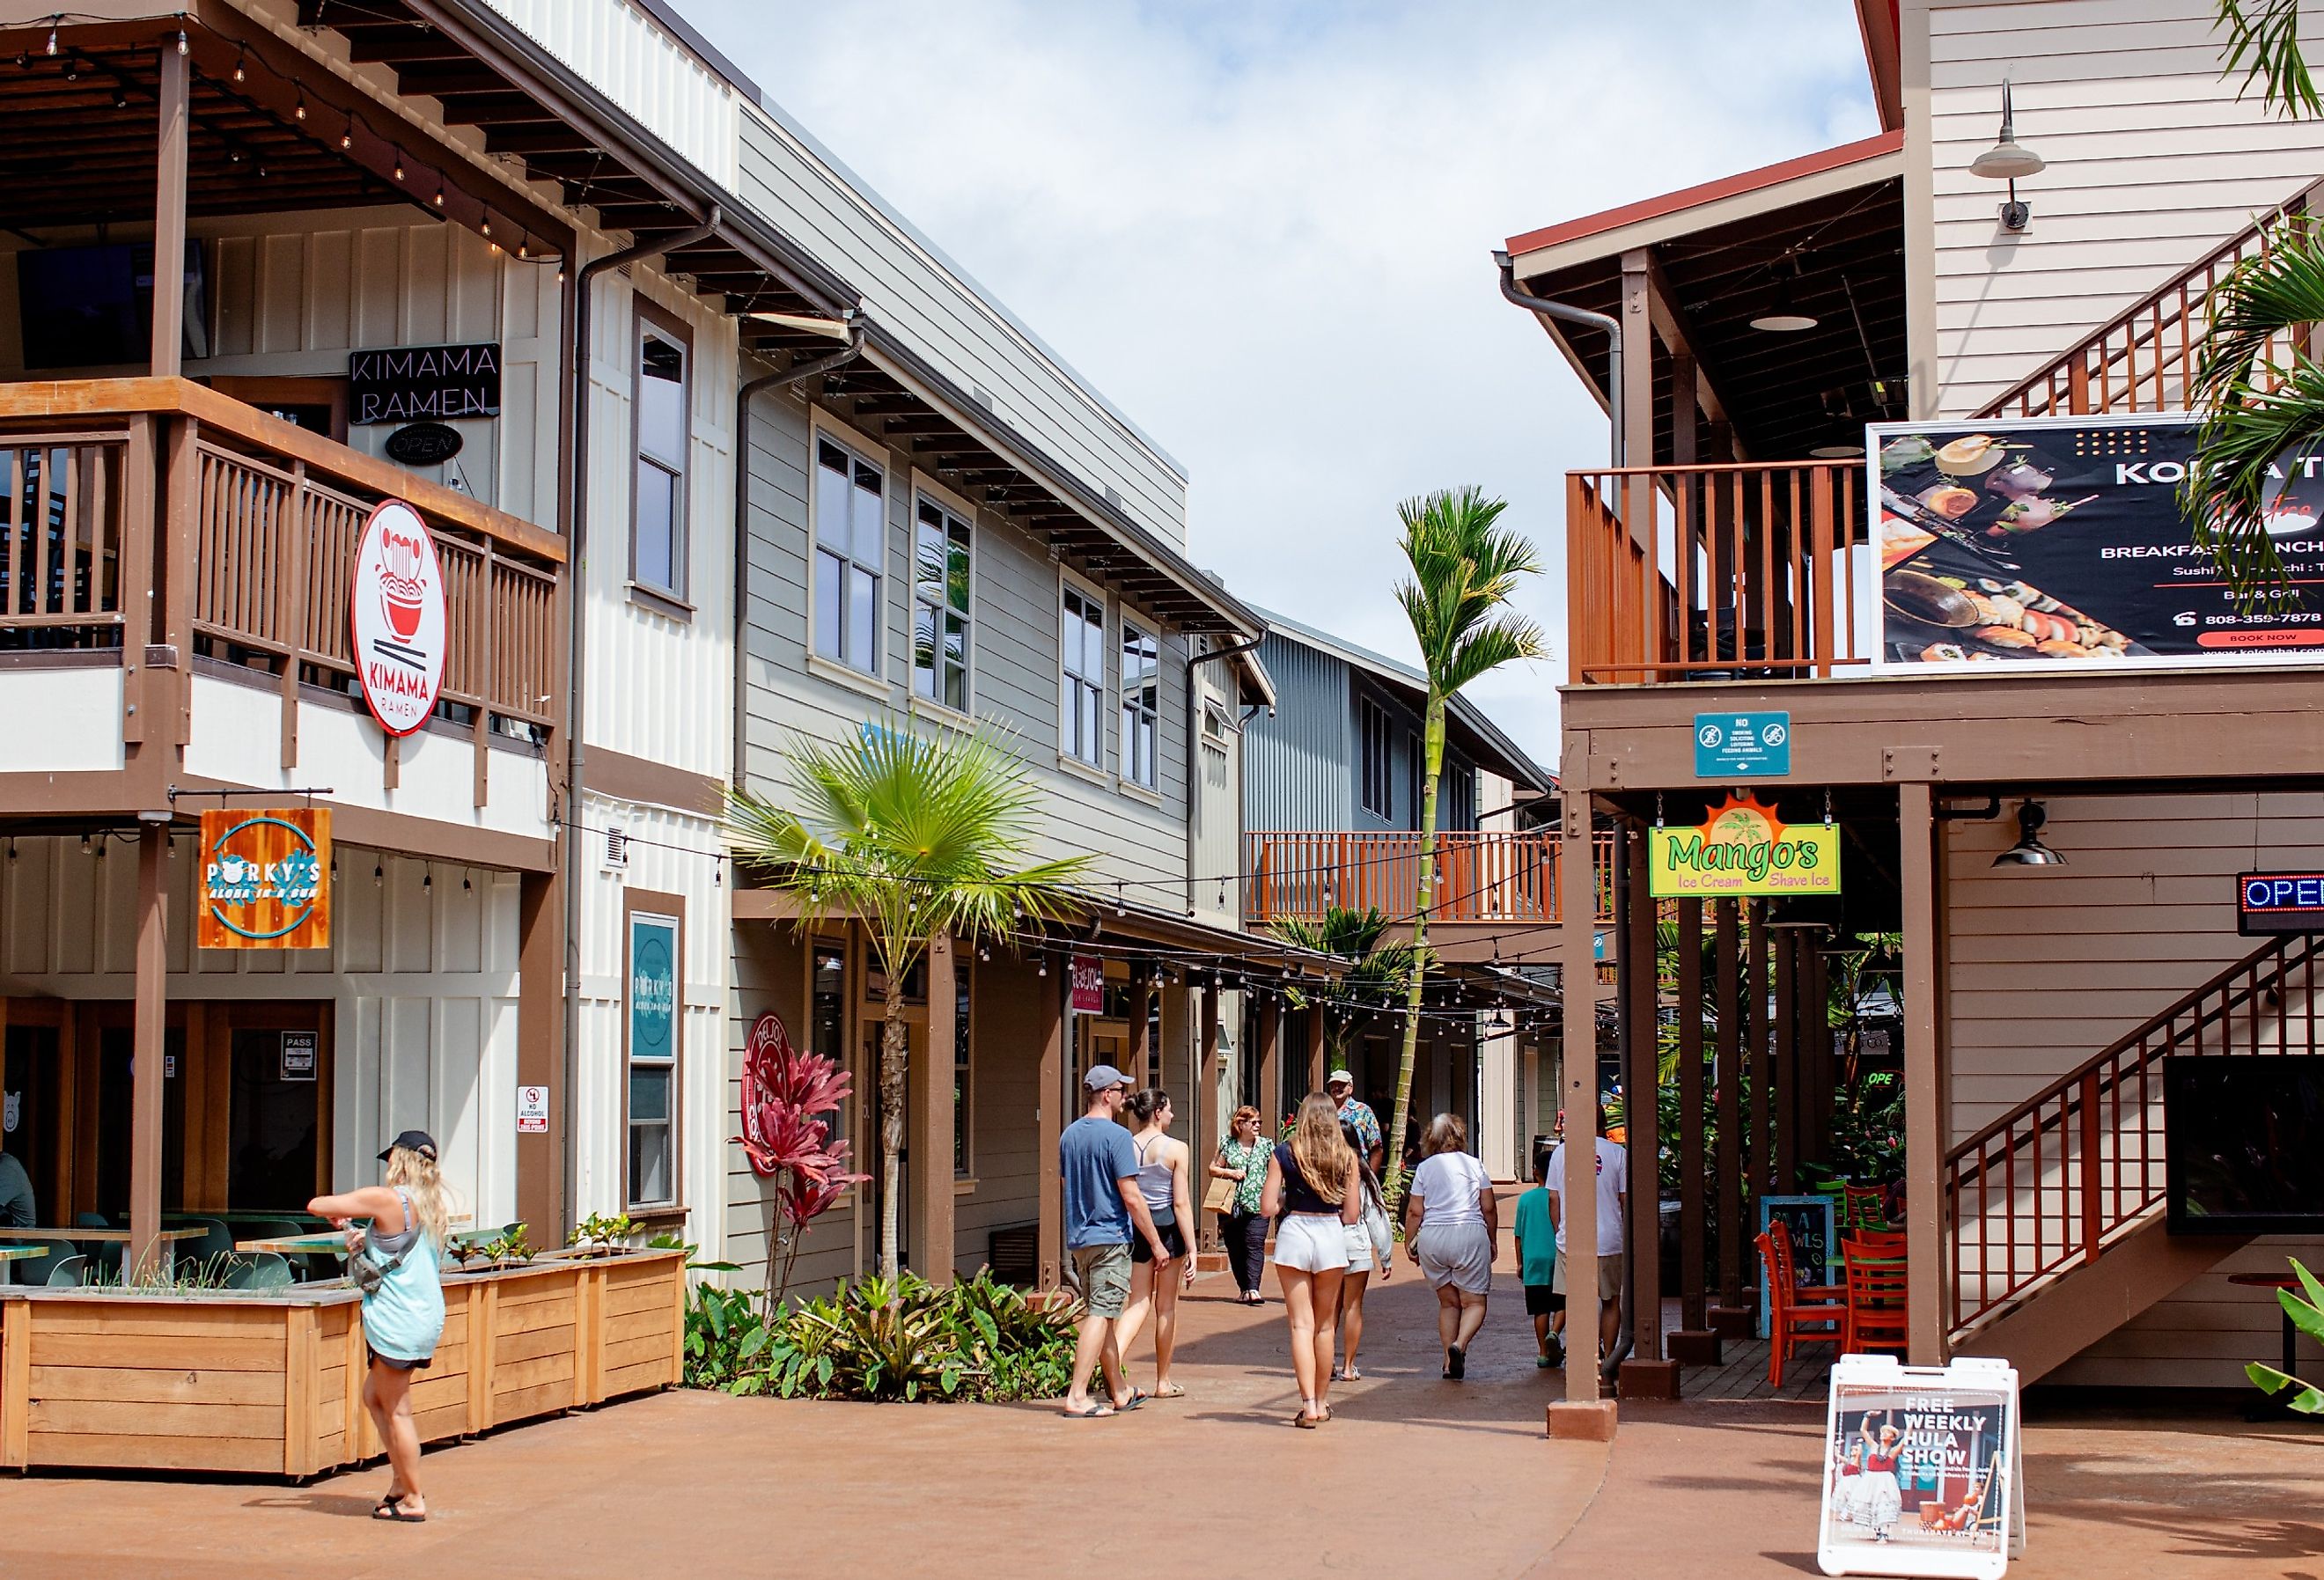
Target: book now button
{"x": 2304, "y": 637}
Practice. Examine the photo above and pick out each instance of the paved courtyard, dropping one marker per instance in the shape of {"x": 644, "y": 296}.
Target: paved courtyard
{"x": 1414, "y": 1476}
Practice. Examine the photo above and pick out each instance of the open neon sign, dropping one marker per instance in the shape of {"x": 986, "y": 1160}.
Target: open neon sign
{"x": 2279, "y": 902}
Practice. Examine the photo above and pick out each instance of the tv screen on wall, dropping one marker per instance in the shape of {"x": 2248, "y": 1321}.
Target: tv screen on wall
{"x": 93, "y": 307}
{"x": 2244, "y": 1143}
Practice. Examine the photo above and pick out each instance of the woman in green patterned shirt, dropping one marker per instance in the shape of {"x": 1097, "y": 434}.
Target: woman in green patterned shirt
{"x": 1242, "y": 1158}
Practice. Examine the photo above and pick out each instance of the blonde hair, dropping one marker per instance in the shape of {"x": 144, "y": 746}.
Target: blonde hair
{"x": 1446, "y": 1133}
{"x": 416, "y": 1174}
{"x": 1319, "y": 1149}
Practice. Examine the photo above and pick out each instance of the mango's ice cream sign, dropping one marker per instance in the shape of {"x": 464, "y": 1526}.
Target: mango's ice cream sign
{"x": 1741, "y": 850}
{"x": 397, "y": 608}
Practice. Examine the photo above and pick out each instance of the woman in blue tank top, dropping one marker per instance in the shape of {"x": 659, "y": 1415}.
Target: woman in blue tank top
{"x": 404, "y": 1310}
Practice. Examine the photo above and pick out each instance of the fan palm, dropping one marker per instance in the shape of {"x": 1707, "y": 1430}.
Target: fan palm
{"x": 918, "y": 838}
{"x": 1465, "y": 566}
{"x": 1380, "y": 966}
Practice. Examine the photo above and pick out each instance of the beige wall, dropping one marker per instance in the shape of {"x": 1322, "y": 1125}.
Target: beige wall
{"x": 2153, "y": 162}
{"x": 2048, "y": 965}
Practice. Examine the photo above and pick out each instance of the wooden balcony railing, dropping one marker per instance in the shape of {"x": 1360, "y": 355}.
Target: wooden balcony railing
{"x": 2047, "y": 1185}
{"x": 155, "y": 513}
{"x": 1482, "y": 875}
{"x": 2142, "y": 359}
{"x": 1720, "y": 572}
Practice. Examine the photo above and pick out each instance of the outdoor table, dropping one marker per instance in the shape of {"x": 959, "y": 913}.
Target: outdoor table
{"x": 9, "y": 1253}
{"x": 323, "y": 1243}
{"x": 98, "y": 1236}
{"x": 2276, "y": 1281}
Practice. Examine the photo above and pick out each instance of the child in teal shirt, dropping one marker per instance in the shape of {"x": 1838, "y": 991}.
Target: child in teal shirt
{"x": 1537, "y": 1242}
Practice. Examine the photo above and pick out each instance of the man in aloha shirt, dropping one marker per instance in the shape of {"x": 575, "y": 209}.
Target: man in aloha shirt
{"x": 1355, "y": 1110}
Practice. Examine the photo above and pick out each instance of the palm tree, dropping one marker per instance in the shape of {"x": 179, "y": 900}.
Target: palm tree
{"x": 1379, "y": 967}
{"x": 1465, "y": 566}
{"x": 2259, "y": 394}
{"x": 919, "y": 838}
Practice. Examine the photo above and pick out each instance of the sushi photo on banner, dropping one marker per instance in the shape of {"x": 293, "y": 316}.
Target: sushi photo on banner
{"x": 1917, "y": 1477}
{"x": 2060, "y": 541}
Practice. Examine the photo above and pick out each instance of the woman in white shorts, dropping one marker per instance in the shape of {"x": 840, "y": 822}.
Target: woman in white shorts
{"x": 1311, "y": 1193}
{"x": 1451, "y": 1217}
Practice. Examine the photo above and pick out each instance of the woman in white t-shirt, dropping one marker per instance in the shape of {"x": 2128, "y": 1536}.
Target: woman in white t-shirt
{"x": 1450, "y": 1220}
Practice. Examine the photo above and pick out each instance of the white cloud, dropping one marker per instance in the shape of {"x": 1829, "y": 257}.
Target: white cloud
{"x": 1263, "y": 231}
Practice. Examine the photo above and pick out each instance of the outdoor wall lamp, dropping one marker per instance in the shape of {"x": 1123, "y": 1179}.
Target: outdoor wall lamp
{"x": 2029, "y": 851}
{"x": 2006, "y": 161}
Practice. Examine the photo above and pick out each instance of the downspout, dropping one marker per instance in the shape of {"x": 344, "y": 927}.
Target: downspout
{"x": 1193, "y": 759}
{"x": 577, "y": 361}
{"x": 799, "y": 373}
{"x": 1566, "y": 313}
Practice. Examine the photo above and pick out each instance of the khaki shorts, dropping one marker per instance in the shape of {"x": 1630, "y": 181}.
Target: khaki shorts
{"x": 1104, "y": 1274}
{"x": 1610, "y": 1277}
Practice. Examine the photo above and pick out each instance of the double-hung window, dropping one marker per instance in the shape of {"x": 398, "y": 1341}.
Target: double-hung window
{"x": 658, "y": 526}
{"x": 849, "y": 556}
{"x": 940, "y": 617}
{"x": 650, "y": 1002}
{"x": 1376, "y": 746}
{"x": 1141, "y": 703}
{"x": 1081, "y": 646}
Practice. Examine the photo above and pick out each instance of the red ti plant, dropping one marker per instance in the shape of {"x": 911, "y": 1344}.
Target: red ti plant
{"x": 789, "y": 1099}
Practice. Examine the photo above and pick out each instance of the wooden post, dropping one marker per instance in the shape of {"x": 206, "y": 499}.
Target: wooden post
{"x": 1203, "y": 1103}
{"x": 1692, "y": 1303}
{"x": 1141, "y": 1016}
{"x": 170, "y": 220}
{"x": 1269, "y": 1100}
{"x": 1785, "y": 1066}
{"x": 1049, "y": 995}
{"x": 1733, "y": 1238}
{"x": 1760, "y": 1169}
{"x": 1316, "y": 1071}
{"x": 931, "y": 1119}
{"x": 1917, "y": 831}
{"x": 146, "y": 1039}
{"x": 1582, "y": 1413}
{"x": 1818, "y": 1033}
{"x": 539, "y": 1044}
{"x": 1645, "y": 1375}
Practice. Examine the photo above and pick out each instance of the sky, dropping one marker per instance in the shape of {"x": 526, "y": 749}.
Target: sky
{"x": 1264, "y": 230}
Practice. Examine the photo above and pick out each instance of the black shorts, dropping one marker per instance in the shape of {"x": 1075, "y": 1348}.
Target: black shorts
{"x": 1141, "y": 1252}
{"x": 1541, "y": 1300}
{"x": 392, "y": 1363}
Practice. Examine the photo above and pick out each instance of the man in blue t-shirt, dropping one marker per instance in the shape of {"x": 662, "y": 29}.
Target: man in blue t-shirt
{"x": 1098, "y": 1168}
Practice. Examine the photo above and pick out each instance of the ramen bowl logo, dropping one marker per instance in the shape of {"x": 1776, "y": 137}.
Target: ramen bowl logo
{"x": 396, "y": 604}
{"x": 405, "y": 558}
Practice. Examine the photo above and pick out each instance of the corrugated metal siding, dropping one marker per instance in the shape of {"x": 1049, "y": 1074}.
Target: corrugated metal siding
{"x": 2152, "y": 164}
{"x": 1298, "y": 767}
{"x": 1138, "y": 838}
{"x": 910, "y": 292}
{"x": 2046, "y": 967}
{"x": 619, "y": 51}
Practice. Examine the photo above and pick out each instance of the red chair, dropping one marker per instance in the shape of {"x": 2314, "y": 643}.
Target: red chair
{"x": 1791, "y": 1318}
{"x": 1884, "y": 1244}
{"x": 1875, "y": 1284}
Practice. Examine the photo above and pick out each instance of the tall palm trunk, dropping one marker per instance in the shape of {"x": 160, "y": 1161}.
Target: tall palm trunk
{"x": 1424, "y": 896}
{"x": 894, "y": 1060}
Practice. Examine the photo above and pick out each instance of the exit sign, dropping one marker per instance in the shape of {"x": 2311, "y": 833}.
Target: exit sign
{"x": 2279, "y": 902}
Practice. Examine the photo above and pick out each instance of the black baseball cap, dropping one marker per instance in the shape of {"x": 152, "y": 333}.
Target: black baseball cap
{"x": 412, "y": 1141}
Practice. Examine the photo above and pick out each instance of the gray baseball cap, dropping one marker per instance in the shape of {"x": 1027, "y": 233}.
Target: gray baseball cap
{"x": 1102, "y": 1075}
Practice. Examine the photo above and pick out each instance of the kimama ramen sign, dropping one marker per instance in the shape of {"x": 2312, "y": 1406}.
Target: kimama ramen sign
{"x": 397, "y": 607}
{"x": 1742, "y": 849}
{"x": 265, "y": 879}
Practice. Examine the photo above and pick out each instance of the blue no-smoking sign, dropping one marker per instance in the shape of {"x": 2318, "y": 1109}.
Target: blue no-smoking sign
{"x": 1742, "y": 745}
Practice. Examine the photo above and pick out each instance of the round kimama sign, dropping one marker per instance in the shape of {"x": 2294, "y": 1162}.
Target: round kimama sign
{"x": 397, "y": 607}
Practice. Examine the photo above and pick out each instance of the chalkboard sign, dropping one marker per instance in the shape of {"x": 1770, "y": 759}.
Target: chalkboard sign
{"x": 1814, "y": 1240}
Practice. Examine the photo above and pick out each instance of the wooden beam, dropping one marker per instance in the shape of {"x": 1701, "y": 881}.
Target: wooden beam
{"x": 172, "y": 140}
{"x": 1053, "y": 1092}
{"x": 1642, "y": 1112}
{"x": 1918, "y": 833}
{"x": 1733, "y": 1239}
{"x": 1270, "y": 1097}
{"x": 1669, "y": 320}
{"x": 932, "y": 1120}
{"x": 1637, "y": 507}
{"x": 147, "y": 1040}
{"x": 1578, "y": 1083}
{"x": 1691, "y": 1181}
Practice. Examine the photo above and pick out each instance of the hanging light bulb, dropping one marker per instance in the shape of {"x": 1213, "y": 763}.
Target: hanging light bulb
{"x": 440, "y": 192}
{"x": 399, "y": 164}
{"x": 181, "y": 43}
{"x": 299, "y": 110}
{"x": 239, "y": 74}
{"x": 52, "y": 38}
{"x": 1044, "y": 971}
{"x": 378, "y": 876}
{"x": 84, "y": 844}
{"x": 488, "y": 224}
{"x": 347, "y": 137}
{"x": 524, "y": 245}
{"x": 428, "y": 881}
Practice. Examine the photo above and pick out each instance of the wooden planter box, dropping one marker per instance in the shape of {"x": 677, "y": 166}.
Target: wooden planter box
{"x": 272, "y": 1384}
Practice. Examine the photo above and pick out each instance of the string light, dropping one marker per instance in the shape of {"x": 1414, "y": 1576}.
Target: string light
{"x": 399, "y": 164}
{"x": 181, "y": 43}
{"x": 52, "y": 38}
{"x": 239, "y": 74}
{"x": 299, "y": 110}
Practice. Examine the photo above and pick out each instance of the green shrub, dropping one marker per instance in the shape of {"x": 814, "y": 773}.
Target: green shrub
{"x": 904, "y": 1339}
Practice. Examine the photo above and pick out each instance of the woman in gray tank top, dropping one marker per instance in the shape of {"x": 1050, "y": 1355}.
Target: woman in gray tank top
{"x": 1165, "y": 1167}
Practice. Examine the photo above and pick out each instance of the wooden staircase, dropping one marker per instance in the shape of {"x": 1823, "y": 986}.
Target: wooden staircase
{"x": 2056, "y": 1209}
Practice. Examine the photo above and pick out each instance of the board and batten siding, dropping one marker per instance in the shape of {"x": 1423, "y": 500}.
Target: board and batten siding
{"x": 421, "y": 977}
{"x": 1136, "y": 838}
{"x": 2048, "y": 965}
{"x": 1299, "y": 764}
{"x": 910, "y": 288}
{"x": 2153, "y": 162}
{"x": 624, "y": 54}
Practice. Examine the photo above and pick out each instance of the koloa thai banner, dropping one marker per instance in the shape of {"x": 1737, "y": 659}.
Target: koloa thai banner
{"x": 2060, "y": 542}
{"x": 1743, "y": 848}
{"x": 1921, "y": 1469}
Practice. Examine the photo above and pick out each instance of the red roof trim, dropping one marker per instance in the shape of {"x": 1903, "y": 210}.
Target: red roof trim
{"x": 1809, "y": 164}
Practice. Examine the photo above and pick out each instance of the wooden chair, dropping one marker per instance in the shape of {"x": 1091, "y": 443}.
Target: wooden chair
{"x": 1791, "y": 1318}
{"x": 1880, "y": 1243}
{"x": 1816, "y": 1291}
{"x": 1866, "y": 1207}
{"x": 1875, "y": 1301}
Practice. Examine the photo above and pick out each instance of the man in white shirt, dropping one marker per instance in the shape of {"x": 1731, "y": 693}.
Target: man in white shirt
{"x": 1613, "y": 1199}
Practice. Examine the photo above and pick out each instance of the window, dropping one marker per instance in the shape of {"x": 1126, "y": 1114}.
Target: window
{"x": 940, "y": 549}
{"x": 1142, "y": 698}
{"x": 962, "y": 970}
{"x": 1376, "y": 746}
{"x": 1459, "y": 796}
{"x": 1081, "y": 646}
{"x": 658, "y": 524}
{"x": 651, "y": 995}
{"x": 849, "y": 556}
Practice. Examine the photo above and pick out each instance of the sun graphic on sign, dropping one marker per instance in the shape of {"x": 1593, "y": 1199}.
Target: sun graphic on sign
{"x": 1742, "y": 820}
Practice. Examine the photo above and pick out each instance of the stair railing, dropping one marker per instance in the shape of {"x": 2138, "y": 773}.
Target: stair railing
{"x": 2048, "y": 1184}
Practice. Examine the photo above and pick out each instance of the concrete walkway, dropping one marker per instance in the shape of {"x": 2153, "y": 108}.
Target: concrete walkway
{"x": 1414, "y": 1475}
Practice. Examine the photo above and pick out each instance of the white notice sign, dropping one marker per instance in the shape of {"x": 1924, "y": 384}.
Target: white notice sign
{"x": 533, "y": 1111}
{"x": 1920, "y": 1472}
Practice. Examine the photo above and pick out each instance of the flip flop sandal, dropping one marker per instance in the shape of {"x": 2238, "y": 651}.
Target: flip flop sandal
{"x": 1456, "y": 1363}
{"x": 1173, "y": 1391}
{"x": 1303, "y": 1419}
{"x": 1094, "y": 1413}
{"x": 1138, "y": 1396}
{"x": 393, "y": 1509}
